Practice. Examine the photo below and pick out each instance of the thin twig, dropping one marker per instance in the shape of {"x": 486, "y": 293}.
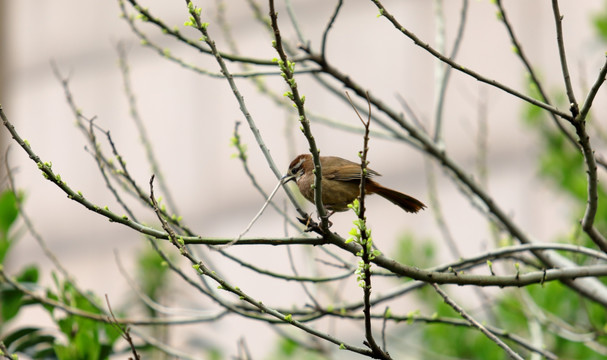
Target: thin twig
{"x": 325, "y": 34}
{"x": 592, "y": 93}
{"x": 101, "y": 317}
{"x": 442, "y": 76}
{"x": 243, "y": 107}
{"x": 383, "y": 329}
{"x": 175, "y": 33}
{"x": 384, "y": 12}
{"x": 242, "y": 347}
{"x": 587, "y": 287}
{"x": 303, "y": 284}
{"x": 534, "y": 77}
{"x": 143, "y": 134}
{"x": 476, "y": 324}
{"x": 242, "y": 155}
{"x": 569, "y": 272}
{"x": 437, "y": 211}
{"x": 124, "y": 330}
{"x": 259, "y": 213}
{"x": 558, "y": 20}
{"x": 504, "y": 334}
{"x": 5, "y": 353}
{"x": 446, "y": 74}
{"x": 243, "y": 297}
{"x": 287, "y": 67}
{"x": 365, "y": 240}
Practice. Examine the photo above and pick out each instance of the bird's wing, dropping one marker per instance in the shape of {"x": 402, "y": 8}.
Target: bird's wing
{"x": 348, "y": 172}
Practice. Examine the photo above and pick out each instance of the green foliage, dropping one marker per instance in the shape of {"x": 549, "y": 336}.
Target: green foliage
{"x": 553, "y": 305}
{"x": 556, "y": 308}
{"x": 214, "y": 354}
{"x": 31, "y": 341}
{"x": 561, "y": 163}
{"x": 290, "y": 349}
{"x": 152, "y": 273}
{"x": 236, "y": 142}
{"x": 82, "y": 338}
{"x": 9, "y": 211}
{"x": 600, "y": 23}
{"x": 585, "y": 315}
{"x": 415, "y": 252}
{"x": 361, "y": 235}
{"x": 85, "y": 338}
{"x": 11, "y": 300}
{"x": 460, "y": 343}
{"x": 453, "y": 341}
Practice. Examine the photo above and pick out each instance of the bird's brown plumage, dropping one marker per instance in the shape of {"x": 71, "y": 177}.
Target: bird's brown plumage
{"x": 341, "y": 181}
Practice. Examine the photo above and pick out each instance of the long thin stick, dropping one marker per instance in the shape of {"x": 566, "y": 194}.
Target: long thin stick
{"x": 263, "y": 208}
{"x": 476, "y": 324}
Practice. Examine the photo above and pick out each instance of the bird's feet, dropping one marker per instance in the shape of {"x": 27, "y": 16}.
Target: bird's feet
{"x": 311, "y": 225}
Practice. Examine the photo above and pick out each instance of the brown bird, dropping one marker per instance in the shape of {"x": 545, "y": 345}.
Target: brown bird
{"x": 341, "y": 183}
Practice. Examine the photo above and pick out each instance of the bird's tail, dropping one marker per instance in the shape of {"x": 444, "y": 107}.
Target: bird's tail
{"x": 405, "y": 202}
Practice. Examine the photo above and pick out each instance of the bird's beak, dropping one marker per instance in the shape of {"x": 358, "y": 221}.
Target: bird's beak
{"x": 286, "y": 178}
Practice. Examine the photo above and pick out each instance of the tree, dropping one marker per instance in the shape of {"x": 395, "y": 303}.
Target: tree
{"x": 551, "y": 297}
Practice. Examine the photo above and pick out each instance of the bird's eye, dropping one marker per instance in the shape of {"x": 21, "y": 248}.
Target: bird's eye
{"x": 296, "y": 168}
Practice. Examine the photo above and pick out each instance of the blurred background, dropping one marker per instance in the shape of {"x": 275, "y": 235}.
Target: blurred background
{"x": 190, "y": 120}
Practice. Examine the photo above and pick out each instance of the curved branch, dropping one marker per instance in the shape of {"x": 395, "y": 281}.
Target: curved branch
{"x": 591, "y": 167}
{"x": 534, "y": 78}
{"x": 383, "y": 12}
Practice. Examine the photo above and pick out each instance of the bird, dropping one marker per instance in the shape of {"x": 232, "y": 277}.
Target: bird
{"x": 341, "y": 183}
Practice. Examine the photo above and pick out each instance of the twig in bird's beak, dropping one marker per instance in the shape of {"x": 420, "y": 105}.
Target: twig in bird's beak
{"x": 265, "y": 205}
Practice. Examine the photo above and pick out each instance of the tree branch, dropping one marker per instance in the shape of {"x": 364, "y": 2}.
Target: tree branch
{"x": 384, "y": 12}
{"x": 558, "y": 20}
{"x": 476, "y": 324}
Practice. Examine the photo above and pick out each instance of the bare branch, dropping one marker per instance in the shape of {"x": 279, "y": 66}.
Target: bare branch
{"x": 558, "y": 20}
{"x": 592, "y": 93}
{"x": 384, "y": 12}
{"x": 325, "y": 34}
{"x": 476, "y": 324}
{"x": 287, "y": 66}
{"x": 532, "y": 73}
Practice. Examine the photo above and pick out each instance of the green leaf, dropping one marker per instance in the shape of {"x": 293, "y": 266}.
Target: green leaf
{"x": 11, "y": 299}
{"x": 288, "y": 347}
{"x": 11, "y": 304}
{"x": 8, "y": 210}
{"x": 5, "y": 244}
{"x": 17, "y": 334}
{"x": 214, "y": 354}
{"x": 64, "y": 353}
{"x": 52, "y": 296}
{"x": 600, "y": 23}
{"x": 33, "y": 341}
{"x": 8, "y": 214}
{"x": 29, "y": 274}
{"x": 30, "y": 341}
